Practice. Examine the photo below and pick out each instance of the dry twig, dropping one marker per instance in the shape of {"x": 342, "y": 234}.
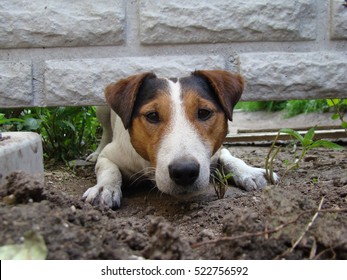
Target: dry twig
{"x": 296, "y": 243}
{"x": 308, "y": 226}
{"x": 330, "y": 249}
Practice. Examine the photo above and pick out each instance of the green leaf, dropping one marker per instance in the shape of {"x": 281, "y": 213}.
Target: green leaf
{"x": 31, "y": 124}
{"x": 333, "y": 102}
{"x": 292, "y": 133}
{"x": 33, "y": 248}
{"x": 2, "y": 121}
{"x": 69, "y": 125}
{"x": 308, "y": 138}
{"x": 335, "y": 116}
{"x": 326, "y": 144}
{"x": 344, "y": 124}
{"x": 228, "y": 176}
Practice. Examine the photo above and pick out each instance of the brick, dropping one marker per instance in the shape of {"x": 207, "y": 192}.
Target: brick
{"x": 16, "y": 84}
{"x": 82, "y": 82}
{"x": 282, "y": 76}
{"x": 338, "y": 20}
{"x": 205, "y": 21}
{"x": 21, "y": 151}
{"x": 51, "y": 23}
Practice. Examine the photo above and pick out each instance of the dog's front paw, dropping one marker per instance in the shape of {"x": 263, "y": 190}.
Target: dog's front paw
{"x": 93, "y": 157}
{"x": 252, "y": 178}
{"x": 103, "y": 196}
{"x": 245, "y": 177}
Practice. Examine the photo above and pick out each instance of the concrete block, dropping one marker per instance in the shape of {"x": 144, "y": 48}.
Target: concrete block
{"x": 51, "y": 23}
{"x": 205, "y": 21}
{"x": 20, "y": 151}
{"x": 282, "y": 76}
{"x": 16, "y": 84}
{"x": 82, "y": 82}
{"x": 338, "y": 20}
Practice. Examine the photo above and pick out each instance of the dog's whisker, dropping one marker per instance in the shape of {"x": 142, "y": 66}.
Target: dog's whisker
{"x": 143, "y": 175}
{"x": 153, "y": 188}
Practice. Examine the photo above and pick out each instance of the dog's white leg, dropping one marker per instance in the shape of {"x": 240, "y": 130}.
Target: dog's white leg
{"x": 107, "y": 192}
{"x": 103, "y": 114}
{"x": 245, "y": 176}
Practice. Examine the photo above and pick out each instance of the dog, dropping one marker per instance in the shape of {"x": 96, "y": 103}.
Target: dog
{"x": 170, "y": 130}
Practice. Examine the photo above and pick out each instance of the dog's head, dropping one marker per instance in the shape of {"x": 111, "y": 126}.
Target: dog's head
{"x": 177, "y": 124}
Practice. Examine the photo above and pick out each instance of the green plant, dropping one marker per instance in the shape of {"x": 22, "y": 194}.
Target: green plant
{"x": 67, "y": 132}
{"x": 340, "y": 106}
{"x": 220, "y": 182}
{"x": 18, "y": 120}
{"x": 269, "y": 106}
{"x": 307, "y": 143}
{"x": 296, "y": 107}
{"x": 290, "y": 108}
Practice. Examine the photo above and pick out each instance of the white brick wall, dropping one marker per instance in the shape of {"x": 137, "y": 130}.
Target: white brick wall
{"x": 65, "y": 52}
{"x": 338, "y": 20}
{"x": 218, "y": 21}
{"x": 16, "y": 83}
{"x": 306, "y": 75}
{"x": 83, "y": 81}
{"x": 51, "y": 23}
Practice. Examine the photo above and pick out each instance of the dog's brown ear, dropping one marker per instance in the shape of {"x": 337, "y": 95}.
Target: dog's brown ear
{"x": 121, "y": 96}
{"x": 227, "y": 86}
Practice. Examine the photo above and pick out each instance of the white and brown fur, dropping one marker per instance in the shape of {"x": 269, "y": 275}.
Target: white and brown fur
{"x": 172, "y": 127}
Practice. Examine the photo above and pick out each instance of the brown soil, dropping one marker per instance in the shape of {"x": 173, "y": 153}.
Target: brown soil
{"x": 255, "y": 225}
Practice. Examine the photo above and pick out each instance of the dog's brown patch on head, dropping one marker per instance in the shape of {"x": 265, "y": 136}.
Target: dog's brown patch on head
{"x": 142, "y": 102}
{"x": 207, "y": 117}
{"x": 121, "y": 95}
{"x": 227, "y": 86}
{"x": 209, "y": 98}
{"x": 149, "y": 124}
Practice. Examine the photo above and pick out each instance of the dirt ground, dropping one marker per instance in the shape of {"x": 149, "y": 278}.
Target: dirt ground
{"x": 280, "y": 222}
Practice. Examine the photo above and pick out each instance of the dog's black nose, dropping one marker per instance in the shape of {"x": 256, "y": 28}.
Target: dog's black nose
{"x": 184, "y": 171}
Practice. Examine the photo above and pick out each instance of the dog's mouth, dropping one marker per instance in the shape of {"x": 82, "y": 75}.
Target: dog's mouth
{"x": 187, "y": 194}
{"x": 186, "y": 191}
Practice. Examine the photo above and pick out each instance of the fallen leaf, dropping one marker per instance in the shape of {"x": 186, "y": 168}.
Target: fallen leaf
{"x": 33, "y": 248}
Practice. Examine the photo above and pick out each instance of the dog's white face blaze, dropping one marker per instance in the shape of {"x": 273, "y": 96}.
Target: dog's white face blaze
{"x": 181, "y": 140}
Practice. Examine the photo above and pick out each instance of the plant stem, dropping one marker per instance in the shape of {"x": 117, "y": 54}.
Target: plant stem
{"x": 296, "y": 164}
{"x": 272, "y": 180}
{"x": 338, "y": 111}
{"x": 269, "y": 162}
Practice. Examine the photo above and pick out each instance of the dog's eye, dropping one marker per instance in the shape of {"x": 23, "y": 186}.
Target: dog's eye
{"x": 153, "y": 117}
{"x": 204, "y": 114}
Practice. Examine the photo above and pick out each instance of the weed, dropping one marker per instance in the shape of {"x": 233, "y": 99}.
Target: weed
{"x": 67, "y": 132}
{"x": 307, "y": 143}
{"x": 290, "y": 108}
{"x": 5, "y": 121}
{"x": 220, "y": 182}
{"x": 340, "y": 107}
{"x": 315, "y": 180}
{"x": 296, "y": 107}
{"x": 269, "y": 106}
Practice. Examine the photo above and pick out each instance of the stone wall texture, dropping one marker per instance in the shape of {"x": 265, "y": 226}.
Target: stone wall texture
{"x": 222, "y": 21}
{"x": 65, "y": 52}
